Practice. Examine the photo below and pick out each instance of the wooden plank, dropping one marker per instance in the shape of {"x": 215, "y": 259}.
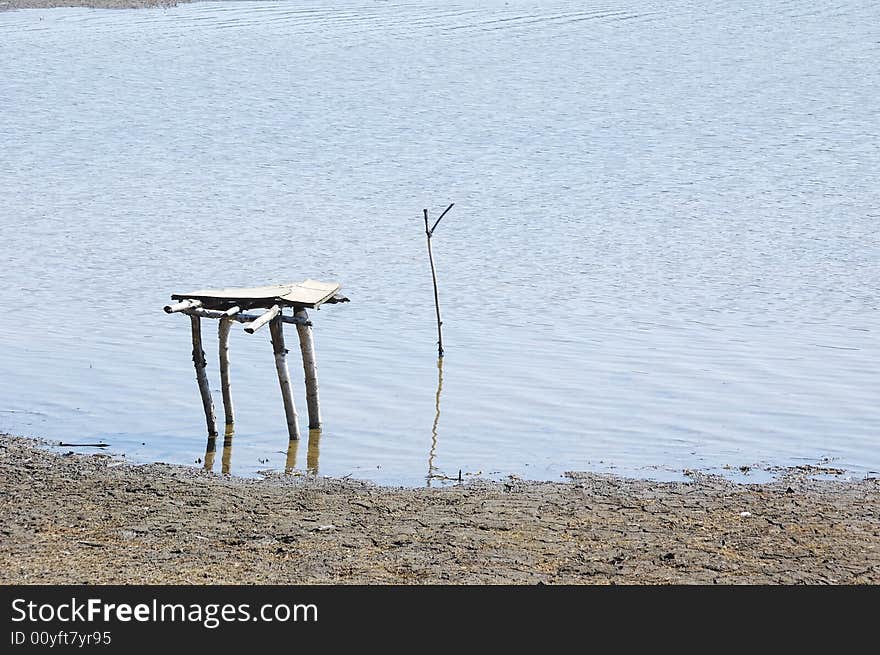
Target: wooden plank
{"x": 311, "y": 292}
{"x": 308, "y": 293}
{"x": 234, "y": 293}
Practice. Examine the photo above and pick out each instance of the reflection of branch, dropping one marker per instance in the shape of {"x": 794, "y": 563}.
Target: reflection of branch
{"x": 433, "y": 454}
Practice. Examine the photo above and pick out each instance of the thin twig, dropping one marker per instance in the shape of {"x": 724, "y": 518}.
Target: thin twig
{"x": 437, "y": 222}
{"x": 429, "y": 233}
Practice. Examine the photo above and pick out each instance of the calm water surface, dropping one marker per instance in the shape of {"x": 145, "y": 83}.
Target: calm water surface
{"x": 663, "y": 253}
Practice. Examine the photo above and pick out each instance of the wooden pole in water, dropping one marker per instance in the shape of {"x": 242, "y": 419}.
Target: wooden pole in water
{"x": 310, "y": 368}
{"x": 198, "y": 356}
{"x": 429, "y": 231}
{"x": 223, "y": 335}
{"x": 276, "y": 329}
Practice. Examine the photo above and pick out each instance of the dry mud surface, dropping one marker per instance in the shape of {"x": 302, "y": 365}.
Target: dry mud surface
{"x": 67, "y": 518}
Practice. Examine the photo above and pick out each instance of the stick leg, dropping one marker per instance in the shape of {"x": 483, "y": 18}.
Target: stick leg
{"x": 307, "y": 346}
{"x": 223, "y": 334}
{"x": 276, "y": 329}
{"x": 202, "y": 377}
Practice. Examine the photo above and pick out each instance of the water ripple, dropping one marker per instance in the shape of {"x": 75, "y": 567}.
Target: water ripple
{"x": 663, "y": 251}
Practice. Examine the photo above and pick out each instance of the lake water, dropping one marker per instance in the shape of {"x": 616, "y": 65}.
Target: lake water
{"x": 663, "y": 254}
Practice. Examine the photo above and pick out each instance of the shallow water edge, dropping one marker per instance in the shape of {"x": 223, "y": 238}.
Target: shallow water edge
{"x": 711, "y": 220}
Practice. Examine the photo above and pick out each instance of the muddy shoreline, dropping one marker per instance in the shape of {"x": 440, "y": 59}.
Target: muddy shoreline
{"x": 71, "y": 518}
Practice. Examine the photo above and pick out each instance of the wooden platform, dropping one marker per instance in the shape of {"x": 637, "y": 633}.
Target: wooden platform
{"x": 308, "y": 293}
{"x": 231, "y": 305}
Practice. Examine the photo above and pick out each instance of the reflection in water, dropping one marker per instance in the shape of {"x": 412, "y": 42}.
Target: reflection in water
{"x": 227, "y": 449}
{"x": 717, "y": 298}
{"x": 211, "y": 450}
{"x": 292, "y": 449}
{"x": 312, "y": 453}
{"x": 432, "y": 469}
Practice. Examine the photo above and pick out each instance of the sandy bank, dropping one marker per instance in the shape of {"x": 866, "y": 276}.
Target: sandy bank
{"x": 94, "y": 519}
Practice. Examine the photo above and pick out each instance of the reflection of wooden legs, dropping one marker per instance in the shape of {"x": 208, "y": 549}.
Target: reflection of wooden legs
{"x": 307, "y": 346}
{"x": 314, "y": 452}
{"x": 276, "y": 328}
{"x": 210, "y": 451}
{"x": 290, "y": 462}
{"x": 198, "y": 356}
{"x": 311, "y": 455}
{"x": 226, "y": 459}
{"x": 223, "y": 335}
